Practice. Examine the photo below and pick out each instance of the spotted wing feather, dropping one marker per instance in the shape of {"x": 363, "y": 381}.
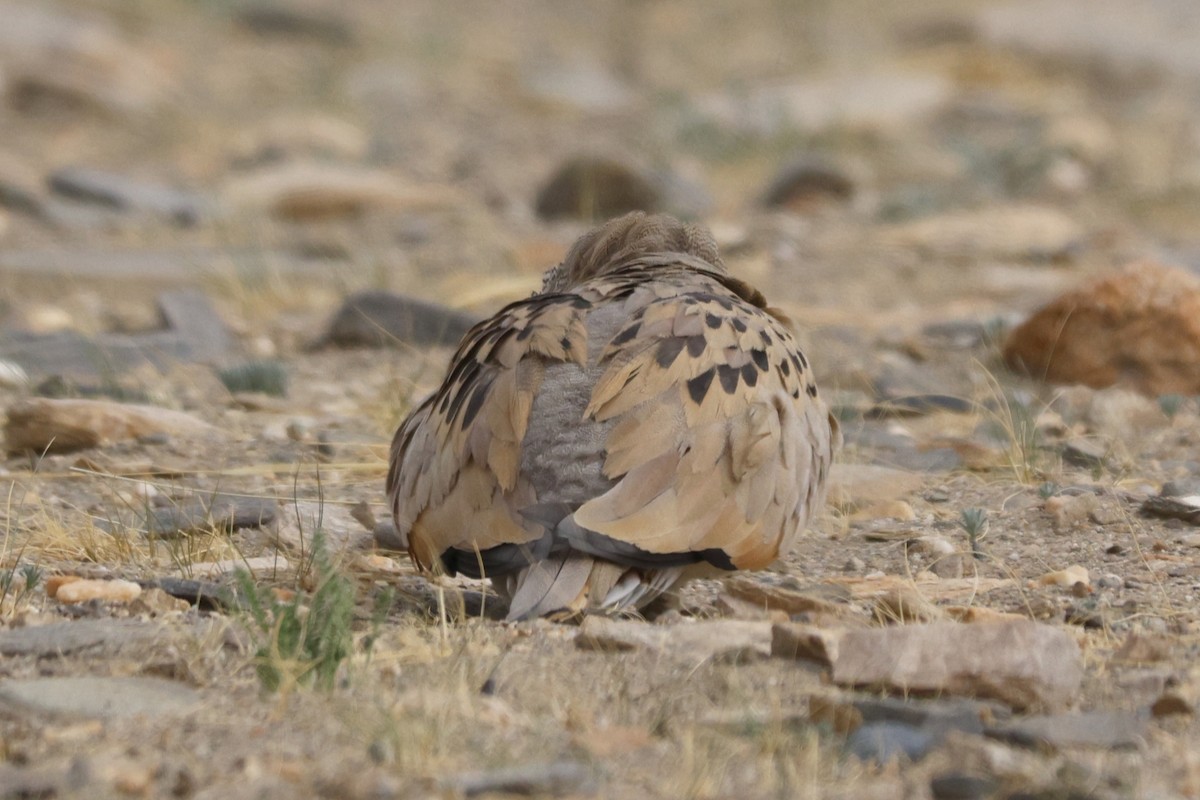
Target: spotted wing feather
{"x": 454, "y": 480}
{"x": 720, "y": 442}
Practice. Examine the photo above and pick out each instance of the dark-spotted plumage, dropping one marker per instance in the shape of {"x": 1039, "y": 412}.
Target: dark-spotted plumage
{"x": 643, "y": 418}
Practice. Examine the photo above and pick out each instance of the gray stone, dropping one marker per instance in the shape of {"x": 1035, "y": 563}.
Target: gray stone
{"x": 45, "y": 779}
{"x": 381, "y": 319}
{"x": 194, "y": 332}
{"x": 211, "y": 512}
{"x": 121, "y": 193}
{"x": 68, "y": 638}
{"x": 105, "y": 697}
{"x": 883, "y": 741}
{"x": 939, "y": 716}
{"x": 190, "y": 315}
{"x": 1104, "y": 729}
{"x": 387, "y": 537}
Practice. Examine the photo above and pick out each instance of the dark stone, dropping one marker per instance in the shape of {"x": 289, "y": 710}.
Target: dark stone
{"x": 379, "y": 319}
{"x": 918, "y": 404}
{"x": 285, "y": 20}
{"x": 387, "y": 537}
{"x": 803, "y": 184}
{"x": 205, "y": 595}
{"x": 1085, "y": 453}
{"x": 210, "y": 512}
{"x": 596, "y": 189}
{"x": 127, "y": 195}
{"x": 957, "y": 786}
{"x": 1173, "y": 503}
{"x": 883, "y": 741}
{"x": 1171, "y": 508}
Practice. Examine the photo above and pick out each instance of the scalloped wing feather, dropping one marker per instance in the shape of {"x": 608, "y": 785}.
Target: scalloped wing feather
{"x": 719, "y": 440}
{"x": 454, "y": 477}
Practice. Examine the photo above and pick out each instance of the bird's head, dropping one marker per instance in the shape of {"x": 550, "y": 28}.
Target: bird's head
{"x": 619, "y": 241}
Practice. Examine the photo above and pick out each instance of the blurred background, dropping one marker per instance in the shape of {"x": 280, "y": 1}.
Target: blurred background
{"x": 922, "y": 160}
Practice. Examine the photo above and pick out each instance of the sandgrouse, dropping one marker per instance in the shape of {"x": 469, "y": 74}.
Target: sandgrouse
{"x": 642, "y": 420}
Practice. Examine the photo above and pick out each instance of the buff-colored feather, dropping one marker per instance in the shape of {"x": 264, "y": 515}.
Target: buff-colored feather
{"x": 644, "y": 417}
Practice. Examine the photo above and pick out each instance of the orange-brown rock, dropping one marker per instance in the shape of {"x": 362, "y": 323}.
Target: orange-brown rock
{"x": 1139, "y": 328}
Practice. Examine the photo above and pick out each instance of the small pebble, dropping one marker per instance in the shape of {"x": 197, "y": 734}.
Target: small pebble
{"x": 1066, "y": 577}
{"x": 83, "y": 590}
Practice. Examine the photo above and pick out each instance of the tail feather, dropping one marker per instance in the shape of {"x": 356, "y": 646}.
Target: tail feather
{"x": 638, "y": 588}
{"x": 582, "y": 571}
{"x": 552, "y": 584}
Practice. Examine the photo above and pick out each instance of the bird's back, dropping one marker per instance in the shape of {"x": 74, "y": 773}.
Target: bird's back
{"x": 593, "y": 443}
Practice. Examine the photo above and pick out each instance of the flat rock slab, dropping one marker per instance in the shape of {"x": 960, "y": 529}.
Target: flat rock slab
{"x": 1019, "y": 232}
{"x": 855, "y": 485}
{"x": 312, "y": 191}
{"x": 122, "y": 193}
{"x": 1103, "y": 729}
{"x": 211, "y": 512}
{"x": 193, "y": 332}
{"x": 68, "y": 638}
{"x": 1022, "y": 663}
{"x": 47, "y": 425}
{"x": 552, "y": 779}
{"x": 104, "y": 697}
{"x": 701, "y": 641}
{"x": 1151, "y": 34}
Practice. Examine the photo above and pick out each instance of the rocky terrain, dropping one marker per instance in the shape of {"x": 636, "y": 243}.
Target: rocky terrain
{"x": 238, "y": 240}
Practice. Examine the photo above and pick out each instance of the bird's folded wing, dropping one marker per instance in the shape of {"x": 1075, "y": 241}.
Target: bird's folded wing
{"x": 720, "y": 441}
{"x": 454, "y": 476}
